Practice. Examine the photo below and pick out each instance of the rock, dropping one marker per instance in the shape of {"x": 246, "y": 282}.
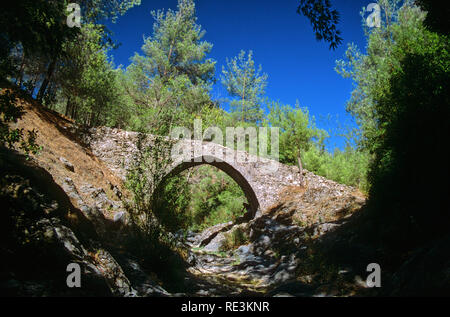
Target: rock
{"x": 283, "y": 295}
{"x": 209, "y": 234}
{"x": 99, "y": 196}
{"x": 102, "y": 264}
{"x": 191, "y": 259}
{"x": 215, "y": 244}
{"x": 119, "y": 217}
{"x": 281, "y": 276}
{"x": 292, "y": 289}
{"x": 243, "y": 250}
{"x": 64, "y": 236}
{"x": 115, "y": 190}
{"x": 323, "y": 228}
{"x": 69, "y": 166}
{"x": 46, "y": 238}
{"x": 113, "y": 273}
{"x": 69, "y": 187}
{"x": 202, "y": 293}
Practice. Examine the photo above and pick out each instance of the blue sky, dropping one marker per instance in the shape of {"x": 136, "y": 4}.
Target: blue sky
{"x": 299, "y": 67}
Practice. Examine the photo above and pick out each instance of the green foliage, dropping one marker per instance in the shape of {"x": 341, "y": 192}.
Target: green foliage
{"x": 214, "y": 116}
{"x": 199, "y": 198}
{"x": 346, "y": 167}
{"x": 118, "y": 112}
{"x": 246, "y": 85}
{"x": 215, "y": 198}
{"x": 35, "y": 26}
{"x": 401, "y": 103}
{"x": 96, "y": 10}
{"x": 298, "y": 131}
{"x": 234, "y": 239}
{"x": 371, "y": 73}
{"x": 10, "y": 112}
{"x": 145, "y": 235}
{"x": 413, "y": 115}
{"x": 299, "y": 137}
{"x": 172, "y": 202}
{"x": 89, "y": 85}
{"x": 323, "y": 20}
{"x": 173, "y": 77}
{"x": 145, "y": 175}
{"x": 40, "y": 51}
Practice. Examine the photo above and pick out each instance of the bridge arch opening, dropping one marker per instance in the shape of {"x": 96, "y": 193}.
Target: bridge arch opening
{"x": 252, "y": 204}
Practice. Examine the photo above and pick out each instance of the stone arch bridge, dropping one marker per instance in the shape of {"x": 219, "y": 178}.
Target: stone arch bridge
{"x": 260, "y": 179}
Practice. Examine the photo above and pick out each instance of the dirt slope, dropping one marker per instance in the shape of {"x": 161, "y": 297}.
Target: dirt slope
{"x": 61, "y": 149}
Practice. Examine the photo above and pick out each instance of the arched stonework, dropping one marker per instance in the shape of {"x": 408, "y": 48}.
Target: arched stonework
{"x": 226, "y": 167}
{"x": 260, "y": 178}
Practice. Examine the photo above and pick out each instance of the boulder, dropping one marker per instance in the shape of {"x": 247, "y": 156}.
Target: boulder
{"x": 69, "y": 166}
{"x": 216, "y": 243}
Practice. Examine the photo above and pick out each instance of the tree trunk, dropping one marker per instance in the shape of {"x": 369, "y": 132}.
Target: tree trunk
{"x": 32, "y": 85}
{"x": 243, "y": 100}
{"x": 74, "y": 112}
{"x": 22, "y": 66}
{"x": 71, "y": 110}
{"x": 48, "y": 75}
{"x": 68, "y": 107}
{"x": 300, "y": 167}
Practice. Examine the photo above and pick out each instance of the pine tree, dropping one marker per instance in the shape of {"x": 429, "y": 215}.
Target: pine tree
{"x": 297, "y": 130}
{"x": 86, "y": 77}
{"x": 173, "y": 73}
{"x": 246, "y": 85}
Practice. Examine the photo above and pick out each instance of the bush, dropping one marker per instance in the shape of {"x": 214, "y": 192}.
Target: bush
{"x": 144, "y": 235}
{"x": 234, "y": 239}
{"x": 347, "y": 167}
{"x": 10, "y": 112}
